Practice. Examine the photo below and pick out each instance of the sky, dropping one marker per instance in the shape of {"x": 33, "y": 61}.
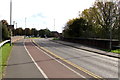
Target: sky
{"x": 42, "y": 14}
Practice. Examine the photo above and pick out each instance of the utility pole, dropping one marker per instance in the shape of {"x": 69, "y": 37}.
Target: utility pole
{"x": 10, "y": 12}
{"x": 25, "y": 21}
{"x": 25, "y": 27}
{"x": 10, "y": 21}
{"x": 54, "y": 24}
{"x": 16, "y": 25}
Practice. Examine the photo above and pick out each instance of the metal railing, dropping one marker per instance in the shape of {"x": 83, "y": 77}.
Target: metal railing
{"x": 4, "y": 42}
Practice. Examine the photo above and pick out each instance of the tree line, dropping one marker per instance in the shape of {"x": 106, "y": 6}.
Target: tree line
{"x": 5, "y": 31}
{"x": 99, "y": 21}
{"x": 32, "y": 32}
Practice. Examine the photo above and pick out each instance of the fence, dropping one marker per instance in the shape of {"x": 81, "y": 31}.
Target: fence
{"x": 4, "y": 42}
{"x": 99, "y": 43}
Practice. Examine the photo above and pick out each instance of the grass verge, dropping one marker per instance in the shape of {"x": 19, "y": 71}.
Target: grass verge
{"x": 56, "y": 39}
{"x": 5, "y": 51}
{"x": 113, "y": 51}
{"x": 116, "y": 51}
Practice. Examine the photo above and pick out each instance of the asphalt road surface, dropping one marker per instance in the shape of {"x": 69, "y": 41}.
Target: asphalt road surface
{"x": 29, "y": 61}
{"x": 47, "y": 59}
{"x": 104, "y": 66}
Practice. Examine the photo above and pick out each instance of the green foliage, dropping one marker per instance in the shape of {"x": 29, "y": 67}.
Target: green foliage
{"x": 34, "y": 32}
{"x": 116, "y": 51}
{"x": 44, "y": 32}
{"x": 5, "y": 31}
{"x": 103, "y": 16}
{"x": 27, "y": 32}
{"x": 56, "y": 39}
{"x": 4, "y": 54}
{"x": 19, "y": 31}
{"x": 96, "y": 22}
{"x": 78, "y": 27}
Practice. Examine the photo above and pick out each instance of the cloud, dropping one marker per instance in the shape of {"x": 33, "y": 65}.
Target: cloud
{"x": 38, "y": 15}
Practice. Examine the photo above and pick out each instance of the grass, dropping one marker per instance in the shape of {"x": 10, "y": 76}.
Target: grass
{"x": 55, "y": 38}
{"x": 116, "y": 51}
{"x": 4, "y": 54}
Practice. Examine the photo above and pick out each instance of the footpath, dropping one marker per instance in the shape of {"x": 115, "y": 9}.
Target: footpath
{"x": 20, "y": 65}
{"x": 88, "y": 48}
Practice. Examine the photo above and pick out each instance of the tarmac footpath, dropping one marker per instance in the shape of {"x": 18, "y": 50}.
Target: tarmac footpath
{"x": 20, "y": 64}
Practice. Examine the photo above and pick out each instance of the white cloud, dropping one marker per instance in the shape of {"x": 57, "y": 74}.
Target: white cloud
{"x": 41, "y": 13}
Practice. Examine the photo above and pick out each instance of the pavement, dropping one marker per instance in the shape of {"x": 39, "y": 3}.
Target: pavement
{"x": 20, "y": 64}
{"x": 87, "y": 48}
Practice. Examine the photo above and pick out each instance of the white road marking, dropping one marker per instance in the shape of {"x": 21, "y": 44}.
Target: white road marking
{"x": 45, "y": 76}
{"x": 61, "y": 62}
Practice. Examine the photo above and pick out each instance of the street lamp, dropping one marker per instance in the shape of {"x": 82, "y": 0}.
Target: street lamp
{"x": 25, "y": 28}
{"x": 10, "y": 21}
{"x": 15, "y": 24}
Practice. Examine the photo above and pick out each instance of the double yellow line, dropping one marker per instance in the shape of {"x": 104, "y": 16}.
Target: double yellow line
{"x": 72, "y": 64}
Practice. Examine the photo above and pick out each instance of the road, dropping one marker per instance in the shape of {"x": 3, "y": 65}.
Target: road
{"x": 47, "y": 59}
{"x": 104, "y": 66}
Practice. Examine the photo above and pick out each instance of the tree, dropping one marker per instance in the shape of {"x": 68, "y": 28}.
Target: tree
{"x": 77, "y": 27}
{"x": 103, "y": 16}
{"x": 41, "y": 33}
{"x": 45, "y": 32}
{"x": 27, "y": 32}
{"x": 5, "y": 32}
{"x": 19, "y": 31}
{"x": 34, "y": 32}
{"x": 117, "y": 29}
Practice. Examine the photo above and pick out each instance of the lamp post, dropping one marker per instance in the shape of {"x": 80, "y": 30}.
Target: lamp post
{"x": 10, "y": 12}
{"x": 25, "y": 28}
{"x": 10, "y": 21}
{"x": 54, "y": 23}
{"x": 16, "y": 25}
